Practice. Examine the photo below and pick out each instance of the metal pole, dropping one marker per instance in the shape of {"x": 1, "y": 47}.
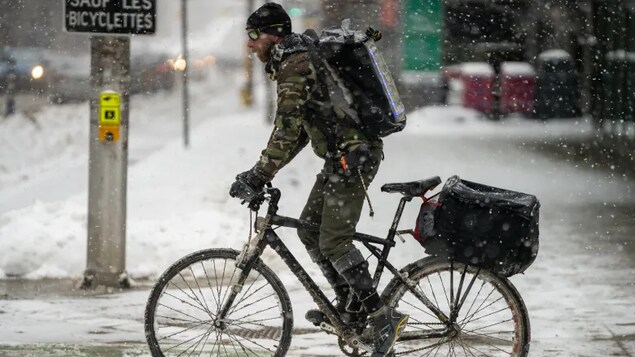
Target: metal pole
{"x": 108, "y": 163}
{"x": 270, "y": 91}
{"x": 186, "y": 95}
{"x": 247, "y": 92}
{"x": 11, "y": 79}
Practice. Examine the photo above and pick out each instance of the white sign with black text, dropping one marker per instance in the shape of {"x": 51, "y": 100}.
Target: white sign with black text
{"x": 110, "y": 16}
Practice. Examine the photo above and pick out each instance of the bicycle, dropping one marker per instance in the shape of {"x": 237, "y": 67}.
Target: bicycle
{"x": 225, "y": 302}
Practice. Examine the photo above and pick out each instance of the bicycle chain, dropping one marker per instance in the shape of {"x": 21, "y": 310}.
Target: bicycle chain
{"x": 355, "y": 351}
{"x": 422, "y": 348}
{"x": 343, "y": 345}
{"x": 419, "y": 349}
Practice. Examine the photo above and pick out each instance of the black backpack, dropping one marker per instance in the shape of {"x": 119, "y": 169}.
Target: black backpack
{"x": 355, "y": 79}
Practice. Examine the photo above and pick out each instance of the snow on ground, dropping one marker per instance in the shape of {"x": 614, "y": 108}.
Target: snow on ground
{"x": 579, "y": 291}
{"x": 177, "y": 198}
{"x": 178, "y": 203}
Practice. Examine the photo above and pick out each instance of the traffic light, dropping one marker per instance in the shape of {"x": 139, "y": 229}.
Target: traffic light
{"x": 295, "y": 11}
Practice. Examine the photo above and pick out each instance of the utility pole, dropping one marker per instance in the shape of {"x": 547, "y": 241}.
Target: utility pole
{"x": 186, "y": 94}
{"x": 10, "y": 88}
{"x": 247, "y": 91}
{"x": 108, "y": 164}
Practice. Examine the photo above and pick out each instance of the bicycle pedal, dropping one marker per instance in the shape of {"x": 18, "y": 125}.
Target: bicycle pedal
{"x": 316, "y": 317}
{"x": 358, "y": 343}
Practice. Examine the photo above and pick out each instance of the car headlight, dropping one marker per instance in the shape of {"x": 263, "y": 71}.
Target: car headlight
{"x": 180, "y": 64}
{"x": 37, "y": 72}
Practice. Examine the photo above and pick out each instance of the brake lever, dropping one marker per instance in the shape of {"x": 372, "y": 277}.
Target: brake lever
{"x": 259, "y": 198}
{"x": 254, "y": 205}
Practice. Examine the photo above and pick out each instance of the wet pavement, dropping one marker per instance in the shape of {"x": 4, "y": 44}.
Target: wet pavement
{"x": 579, "y": 292}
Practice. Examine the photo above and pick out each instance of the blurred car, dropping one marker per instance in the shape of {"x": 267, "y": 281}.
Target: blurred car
{"x": 150, "y": 73}
{"x": 31, "y": 68}
{"x": 70, "y": 78}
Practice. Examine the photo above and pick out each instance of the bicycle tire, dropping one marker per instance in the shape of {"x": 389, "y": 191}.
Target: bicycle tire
{"x": 492, "y": 320}
{"x": 181, "y": 305}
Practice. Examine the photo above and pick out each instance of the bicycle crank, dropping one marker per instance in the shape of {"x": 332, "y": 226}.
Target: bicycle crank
{"x": 328, "y": 328}
{"x": 355, "y": 348}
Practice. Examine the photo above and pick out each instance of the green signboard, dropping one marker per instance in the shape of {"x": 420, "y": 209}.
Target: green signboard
{"x": 422, "y": 35}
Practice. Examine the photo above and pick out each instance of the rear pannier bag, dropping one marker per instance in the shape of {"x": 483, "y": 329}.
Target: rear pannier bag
{"x": 484, "y": 226}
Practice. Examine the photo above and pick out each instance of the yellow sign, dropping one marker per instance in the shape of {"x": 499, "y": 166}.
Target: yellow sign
{"x": 109, "y": 99}
{"x": 108, "y": 133}
{"x": 109, "y": 116}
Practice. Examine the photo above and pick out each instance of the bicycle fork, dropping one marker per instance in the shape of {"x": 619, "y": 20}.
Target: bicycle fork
{"x": 245, "y": 260}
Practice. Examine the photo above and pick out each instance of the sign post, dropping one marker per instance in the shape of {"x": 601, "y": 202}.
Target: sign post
{"x": 108, "y": 163}
{"x": 109, "y": 21}
{"x": 186, "y": 95}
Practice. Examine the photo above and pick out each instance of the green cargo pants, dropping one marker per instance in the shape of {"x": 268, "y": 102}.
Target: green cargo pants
{"x": 336, "y": 202}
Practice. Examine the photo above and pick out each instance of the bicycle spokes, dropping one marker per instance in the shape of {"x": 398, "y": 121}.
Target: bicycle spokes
{"x": 486, "y": 316}
{"x": 211, "y": 307}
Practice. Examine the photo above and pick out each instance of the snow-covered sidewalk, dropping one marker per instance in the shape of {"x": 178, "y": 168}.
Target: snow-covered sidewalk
{"x": 578, "y": 292}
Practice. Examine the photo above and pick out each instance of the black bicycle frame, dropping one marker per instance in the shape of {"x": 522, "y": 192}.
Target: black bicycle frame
{"x": 367, "y": 240}
{"x": 271, "y": 239}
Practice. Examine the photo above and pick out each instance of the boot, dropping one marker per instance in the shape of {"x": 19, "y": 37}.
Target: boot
{"x": 387, "y": 323}
{"x": 315, "y": 316}
{"x": 354, "y": 269}
{"x": 341, "y": 288}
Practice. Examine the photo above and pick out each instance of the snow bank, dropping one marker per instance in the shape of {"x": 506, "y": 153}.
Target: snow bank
{"x": 456, "y": 120}
{"x": 477, "y": 69}
{"x": 558, "y": 54}
{"x": 517, "y": 69}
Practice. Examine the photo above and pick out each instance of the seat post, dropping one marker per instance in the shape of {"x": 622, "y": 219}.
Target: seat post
{"x": 391, "y": 237}
{"x": 395, "y": 222}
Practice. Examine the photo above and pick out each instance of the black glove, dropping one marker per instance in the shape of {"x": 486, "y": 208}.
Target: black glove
{"x": 248, "y": 185}
{"x": 356, "y": 157}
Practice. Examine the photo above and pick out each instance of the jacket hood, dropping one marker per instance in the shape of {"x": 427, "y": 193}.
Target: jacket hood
{"x": 291, "y": 44}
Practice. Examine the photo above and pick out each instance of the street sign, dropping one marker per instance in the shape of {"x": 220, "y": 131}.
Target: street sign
{"x": 136, "y": 17}
{"x": 109, "y": 116}
{"x": 422, "y": 35}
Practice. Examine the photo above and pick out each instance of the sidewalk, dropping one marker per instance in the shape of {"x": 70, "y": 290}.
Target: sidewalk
{"x": 20, "y": 289}
{"x": 70, "y": 322}
{"x": 56, "y": 313}
{"x": 579, "y": 292}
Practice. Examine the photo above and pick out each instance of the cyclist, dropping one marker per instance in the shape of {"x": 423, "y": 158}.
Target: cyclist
{"x": 337, "y": 197}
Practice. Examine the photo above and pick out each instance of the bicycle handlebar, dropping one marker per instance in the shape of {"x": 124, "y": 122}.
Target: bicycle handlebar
{"x": 268, "y": 192}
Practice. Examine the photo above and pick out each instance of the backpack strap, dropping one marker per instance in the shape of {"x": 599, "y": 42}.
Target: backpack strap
{"x": 326, "y": 109}
{"x": 329, "y": 80}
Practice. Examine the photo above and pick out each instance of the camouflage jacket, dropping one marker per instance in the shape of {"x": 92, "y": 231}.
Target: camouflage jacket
{"x": 298, "y": 119}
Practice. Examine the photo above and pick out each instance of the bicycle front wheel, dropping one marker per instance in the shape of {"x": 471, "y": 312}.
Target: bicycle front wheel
{"x": 182, "y": 314}
{"x": 488, "y": 316}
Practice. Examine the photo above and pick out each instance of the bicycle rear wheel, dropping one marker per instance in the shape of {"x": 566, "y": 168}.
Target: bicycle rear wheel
{"x": 181, "y": 317}
{"x": 490, "y": 316}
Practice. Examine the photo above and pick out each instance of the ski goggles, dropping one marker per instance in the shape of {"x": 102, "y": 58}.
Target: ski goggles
{"x": 254, "y": 34}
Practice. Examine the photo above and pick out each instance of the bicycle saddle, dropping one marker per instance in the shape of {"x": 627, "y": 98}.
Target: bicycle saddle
{"x": 414, "y": 188}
